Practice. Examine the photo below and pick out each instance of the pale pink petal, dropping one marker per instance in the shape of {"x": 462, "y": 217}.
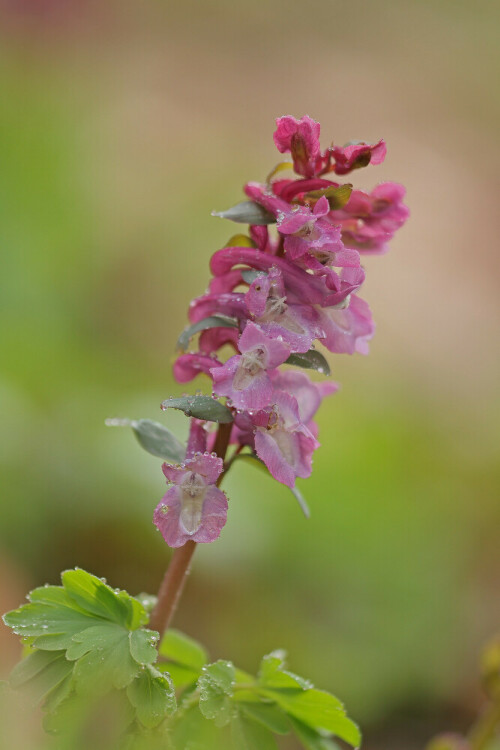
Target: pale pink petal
{"x": 166, "y": 518}
{"x": 210, "y": 467}
{"x": 213, "y": 516}
{"x": 268, "y": 451}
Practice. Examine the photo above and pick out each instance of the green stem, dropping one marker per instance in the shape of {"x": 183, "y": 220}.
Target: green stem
{"x": 175, "y": 576}
{"x": 485, "y": 728}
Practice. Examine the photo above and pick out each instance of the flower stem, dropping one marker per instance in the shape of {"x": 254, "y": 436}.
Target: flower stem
{"x": 175, "y": 576}
{"x": 485, "y": 728}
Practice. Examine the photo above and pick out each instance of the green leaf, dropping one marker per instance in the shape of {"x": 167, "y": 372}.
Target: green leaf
{"x": 311, "y": 360}
{"x": 29, "y": 667}
{"x": 94, "y": 596}
{"x": 310, "y": 738}
{"x": 143, "y": 646}
{"x": 216, "y": 691}
{"x": 247, "y": 212}
{"x": 103, "y": 659}
{"x": 51, "y": 626}
{"x": 40, "y": 673}
{"x": 183, "y": 650}
{"x": 319, "y": 710}
{"x": 201, "y": 407}
{"x": 153, "y": 697}
{"x": 250, "y": 735}
{"x": 337, "y": 196}
{"x": 272, "y": 674}
{"x": 192, "y": 731}
{"x": 154, "y": 437}
{"x": 268, "y": 714}
{"x": 213, "y": 321}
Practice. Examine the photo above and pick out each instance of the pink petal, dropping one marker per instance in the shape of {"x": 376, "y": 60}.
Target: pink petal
{"x": 188, "y": 366}
{"x": 166, "y": 518}
{"x": 213, "y": 516}
{"x": 210, "y": 467}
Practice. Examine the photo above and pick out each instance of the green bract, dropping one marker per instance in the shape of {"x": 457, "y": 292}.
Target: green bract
{"x": 247, "y": 212}
{"x": 154, "y": 437}
{"x": 213, "y": 321}
{"x": 311, "y": 360}
{"x": 200, "y": 407}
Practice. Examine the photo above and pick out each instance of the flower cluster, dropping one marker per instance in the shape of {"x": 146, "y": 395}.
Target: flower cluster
{"x": 273, "y": 294}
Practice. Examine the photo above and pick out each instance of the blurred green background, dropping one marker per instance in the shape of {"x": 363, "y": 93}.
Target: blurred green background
{"x": 123, "y": 124}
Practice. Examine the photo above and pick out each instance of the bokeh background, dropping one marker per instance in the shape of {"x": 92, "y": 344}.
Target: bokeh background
{"x": 123, "y": 125}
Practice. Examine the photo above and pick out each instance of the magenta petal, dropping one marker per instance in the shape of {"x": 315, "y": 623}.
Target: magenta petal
{"x": 256, "y": 297}
{"x": 213, "y": 516}
{"x": 197, "y": 440}
{"x": 301, "y": 138}
{"x": 188, "y": 366}
{"x": 253, "y": 337}
{"x": 255, "y": 394}
{"x": 322, "y": 207}
{"x": 230, "y": 304}
{"x": 294, "y": 219}
{"x": 213, "y": 338}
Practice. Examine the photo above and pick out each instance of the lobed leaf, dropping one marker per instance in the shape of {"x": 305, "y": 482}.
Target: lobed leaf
{"x": 201, "y": 407}
{"x": 40, "y": 673}
{"x": 247, "y": 212}
{"x": 272, "y": 674}
{"x": 216, "y": 690}
{"x": 310, "y": 738}
{"x": 250, "y": 735}
{"x": 183, "y": 650}
{"x": 268, "y": 714}
{"x": 153, "y": 697}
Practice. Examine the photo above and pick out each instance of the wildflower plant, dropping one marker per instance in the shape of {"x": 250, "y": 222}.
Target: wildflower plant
{"x": 277, "y": 292}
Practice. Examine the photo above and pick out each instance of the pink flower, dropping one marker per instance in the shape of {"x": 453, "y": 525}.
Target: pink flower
{"x": 305, "y": 232}
{"x": 324, "y": 290}
{"x": 356, "y": 155}
{"x": 244, "y": 378}
{"x": 301, "y": 139}
{"x": 188, "y": 366}
{"x": 194, "y": 508}
{"x": 267, "y": 302}
{"x": 309, "y": 395}
{"x": 282, "y": 441}
{"x": 370, "y": 220}
{"x": 313, "y": 240}
{"x": 348, "y": 328}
